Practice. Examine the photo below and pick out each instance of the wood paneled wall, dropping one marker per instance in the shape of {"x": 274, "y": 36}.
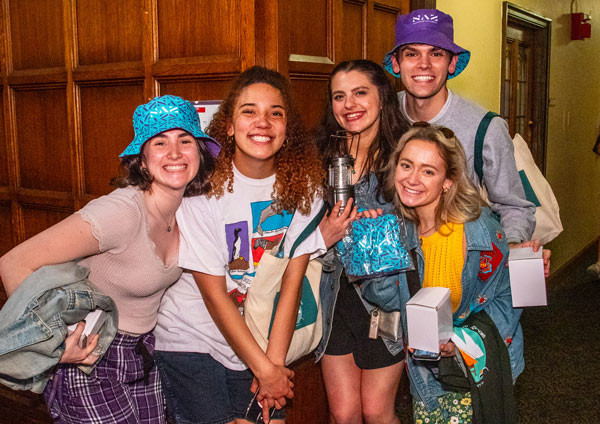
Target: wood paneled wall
{"x": 73, "y": 71}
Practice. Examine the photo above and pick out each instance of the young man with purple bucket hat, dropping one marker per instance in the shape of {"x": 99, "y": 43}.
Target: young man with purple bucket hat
{"x": 425, "y": 57}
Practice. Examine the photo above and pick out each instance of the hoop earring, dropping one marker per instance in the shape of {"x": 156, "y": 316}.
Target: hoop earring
{"x": 285, "y": 142}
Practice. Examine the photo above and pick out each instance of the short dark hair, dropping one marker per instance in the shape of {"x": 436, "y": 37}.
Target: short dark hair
{"x": 134, "y": 173}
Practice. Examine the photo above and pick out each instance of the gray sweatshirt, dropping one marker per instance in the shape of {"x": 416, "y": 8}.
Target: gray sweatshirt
{"x": 500, "y": 176}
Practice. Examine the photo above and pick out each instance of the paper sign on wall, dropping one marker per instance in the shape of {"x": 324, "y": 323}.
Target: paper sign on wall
{"x": 206, "y": 110}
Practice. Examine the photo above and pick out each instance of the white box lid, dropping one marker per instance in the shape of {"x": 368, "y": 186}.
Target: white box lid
{"x": 430, "y": 297}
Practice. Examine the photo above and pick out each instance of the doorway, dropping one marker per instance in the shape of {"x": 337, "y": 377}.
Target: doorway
{"x": 525, "y": 65}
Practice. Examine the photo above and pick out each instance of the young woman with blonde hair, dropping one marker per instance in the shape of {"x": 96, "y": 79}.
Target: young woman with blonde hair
{"x": 460, "y": 245}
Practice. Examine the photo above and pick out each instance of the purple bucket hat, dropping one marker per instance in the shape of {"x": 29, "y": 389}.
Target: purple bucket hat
{"x": 166, "y": 113}
{"x": 427, "y": 26}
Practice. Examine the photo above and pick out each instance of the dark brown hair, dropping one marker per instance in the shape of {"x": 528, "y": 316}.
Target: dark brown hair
{"x": 133, "y": 173}
{"x": 391, "y": 127}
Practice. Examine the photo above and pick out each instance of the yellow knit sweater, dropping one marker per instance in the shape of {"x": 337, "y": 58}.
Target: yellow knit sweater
{"x": 444, "y": 260}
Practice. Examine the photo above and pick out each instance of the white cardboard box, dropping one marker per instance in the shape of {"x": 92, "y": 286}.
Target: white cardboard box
{"x": 93, "y": 322}
{"x": 429, "y": 318}
{"x": 527, "y": 281}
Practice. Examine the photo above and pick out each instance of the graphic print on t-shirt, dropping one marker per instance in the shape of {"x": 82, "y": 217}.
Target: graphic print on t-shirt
{"x": 268, "y": 227}
{"x": 236, "y": 235}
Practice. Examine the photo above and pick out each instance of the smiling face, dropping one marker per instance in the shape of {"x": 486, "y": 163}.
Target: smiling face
{"x": 172, "y": 159}
{"x": 356, "y": 104}
{"x": 259, "y": 128}
{"x": 424, "y": 69}
{"x": 421, "y": 177}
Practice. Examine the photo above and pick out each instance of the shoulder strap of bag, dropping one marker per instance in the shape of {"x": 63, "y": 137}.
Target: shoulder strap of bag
{"x": 478, "y": 149}
{"x": 412, "y": 277}
{"x": 305, "y": 233}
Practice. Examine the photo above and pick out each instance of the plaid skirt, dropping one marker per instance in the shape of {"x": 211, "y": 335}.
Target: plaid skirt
{"x": 124, "y": 387}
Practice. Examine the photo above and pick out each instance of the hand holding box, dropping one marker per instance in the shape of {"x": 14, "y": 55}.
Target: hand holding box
{"x": 93, "y": 323}
{"x": 527, "y": 281}
{"x": 429, "y": 318}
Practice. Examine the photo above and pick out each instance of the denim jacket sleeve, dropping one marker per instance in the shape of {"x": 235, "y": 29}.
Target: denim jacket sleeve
{"x": 486, "y": 285}
{"x": 485, "y": 274}
{"x": 33, "y": 323}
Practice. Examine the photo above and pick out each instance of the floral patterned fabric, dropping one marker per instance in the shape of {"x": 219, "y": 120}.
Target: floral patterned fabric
{"x": 455, "y": 408}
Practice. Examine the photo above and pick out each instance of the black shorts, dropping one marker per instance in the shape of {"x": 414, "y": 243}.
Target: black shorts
{"x": 350, "y": 332}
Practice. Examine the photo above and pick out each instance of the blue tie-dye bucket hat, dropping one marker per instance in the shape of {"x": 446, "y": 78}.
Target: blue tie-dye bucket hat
{"x": 166, "y": 113}
{"x": 427, "y": 26}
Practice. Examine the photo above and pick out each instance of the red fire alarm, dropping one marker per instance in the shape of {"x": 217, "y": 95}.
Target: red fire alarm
{"x": 580, "y": 27}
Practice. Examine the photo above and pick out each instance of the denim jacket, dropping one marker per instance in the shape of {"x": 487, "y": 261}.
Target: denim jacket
{"x": 34, "y": 320}
{"x": 365, "y": 193}
{"x": 485, "y": 286}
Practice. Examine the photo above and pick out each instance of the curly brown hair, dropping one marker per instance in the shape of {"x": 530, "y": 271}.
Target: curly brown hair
{"x": 299, "y": 175}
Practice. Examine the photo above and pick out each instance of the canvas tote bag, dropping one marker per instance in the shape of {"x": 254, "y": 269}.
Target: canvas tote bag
{"x": 537, "y": 189}
{"x": 547, "y": 213}
{"x": 263, "y": 296}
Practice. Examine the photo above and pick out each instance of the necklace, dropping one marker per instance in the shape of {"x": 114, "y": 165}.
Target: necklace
{"x": 162, "y": 216}
{"x": 422, "y": 233}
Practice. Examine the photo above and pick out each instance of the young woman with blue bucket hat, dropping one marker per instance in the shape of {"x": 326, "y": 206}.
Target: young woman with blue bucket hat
{"x": 129, "y": 241}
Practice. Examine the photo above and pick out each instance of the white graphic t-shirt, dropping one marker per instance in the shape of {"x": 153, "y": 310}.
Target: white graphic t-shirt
{"x": 225, "y": 236}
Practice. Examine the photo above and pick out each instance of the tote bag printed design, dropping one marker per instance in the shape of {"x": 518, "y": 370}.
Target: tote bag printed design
{"x": 539, "y": 192}
{"x": 308, "y": 312}
{"x": 263, "y": 296}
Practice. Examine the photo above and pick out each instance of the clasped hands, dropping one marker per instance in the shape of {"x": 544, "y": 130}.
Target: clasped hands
{"x": 274, "y": 385}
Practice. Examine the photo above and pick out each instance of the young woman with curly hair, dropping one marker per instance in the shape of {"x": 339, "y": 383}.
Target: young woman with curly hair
{"x": 267, "y": 184}
{"x": 361, "y": 375}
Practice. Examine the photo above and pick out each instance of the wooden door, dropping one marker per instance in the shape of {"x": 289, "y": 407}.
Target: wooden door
{"x": 73, "y": 71}
{"x": 318, "y": 34}
{"x": 518, "y": 109}
{"x": 525, "y": 64}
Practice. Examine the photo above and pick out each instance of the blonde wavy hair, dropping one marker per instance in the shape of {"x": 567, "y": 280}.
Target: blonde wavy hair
{"x": 462, "y": 201}
{"x": 299, "y": 176}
